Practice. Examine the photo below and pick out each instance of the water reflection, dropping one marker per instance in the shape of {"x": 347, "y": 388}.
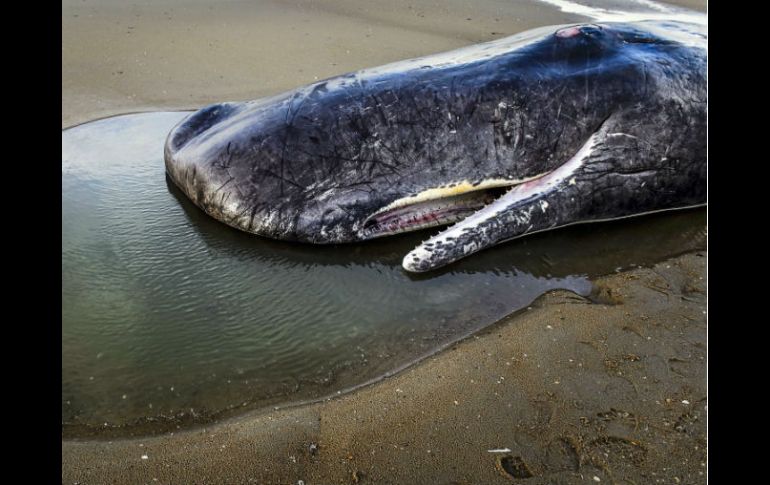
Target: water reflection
{"x": 588, "y": 249}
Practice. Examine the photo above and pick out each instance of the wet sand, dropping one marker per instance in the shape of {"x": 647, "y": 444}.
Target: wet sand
{"x": 611, "y": 388}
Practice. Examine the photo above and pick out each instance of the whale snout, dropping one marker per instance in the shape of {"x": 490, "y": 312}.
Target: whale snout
{"x": 197, "y": 163}
{"x": 198, "y": 123}
{"x": 234, "y": 161}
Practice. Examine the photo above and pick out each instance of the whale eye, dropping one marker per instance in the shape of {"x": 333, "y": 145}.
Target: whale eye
{"x": 591, "y": 30}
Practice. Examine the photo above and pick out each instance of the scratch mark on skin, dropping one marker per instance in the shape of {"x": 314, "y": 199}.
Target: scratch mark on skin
{"x": 290, "y": 116}
{"x": 222, "y": 186}
{"x": 279, "y": 177}
{"x": 585, "y": 78}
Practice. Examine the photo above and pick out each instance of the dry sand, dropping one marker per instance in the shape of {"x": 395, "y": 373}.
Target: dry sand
{"x": 121, "y": 56}
{"x": 611, "y": 389}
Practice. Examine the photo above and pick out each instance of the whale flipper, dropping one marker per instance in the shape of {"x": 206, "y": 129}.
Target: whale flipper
{"x": 614, "y": 174}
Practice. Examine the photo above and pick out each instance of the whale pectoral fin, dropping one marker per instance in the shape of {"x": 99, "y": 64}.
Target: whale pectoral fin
{"x": 533, "y": 206}
{"x": 609, "y": 177}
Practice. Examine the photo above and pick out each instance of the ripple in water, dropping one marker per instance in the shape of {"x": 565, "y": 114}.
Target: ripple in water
{"x": 170, "y": 318}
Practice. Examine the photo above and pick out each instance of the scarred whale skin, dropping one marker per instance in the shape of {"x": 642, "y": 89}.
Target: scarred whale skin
{"x": 551, "y": 127}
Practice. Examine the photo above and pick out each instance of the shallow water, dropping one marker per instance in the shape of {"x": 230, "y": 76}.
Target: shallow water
{"x": 170, "y": 318}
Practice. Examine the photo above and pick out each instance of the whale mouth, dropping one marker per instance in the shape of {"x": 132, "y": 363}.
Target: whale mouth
{"x": 429, "y": 213}
{"x": 482, "y": 229}
{"x": 436, "y": 207}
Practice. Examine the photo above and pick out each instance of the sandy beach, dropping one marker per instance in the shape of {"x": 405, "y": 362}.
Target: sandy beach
{"x": 612, "y": 387}
{"x": 605, "y": 389}
{"x": 120, "y": 57}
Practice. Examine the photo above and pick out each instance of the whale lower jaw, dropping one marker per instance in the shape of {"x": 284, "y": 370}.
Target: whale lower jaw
{"x": 469, "y": 235}
{"x": 437, "y": 206}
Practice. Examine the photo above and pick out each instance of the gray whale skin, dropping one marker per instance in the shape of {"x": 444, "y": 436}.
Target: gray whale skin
{"x": 551, "y": 127}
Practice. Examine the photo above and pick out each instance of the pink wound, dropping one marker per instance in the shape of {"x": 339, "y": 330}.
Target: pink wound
{"x": 568, "y": 32}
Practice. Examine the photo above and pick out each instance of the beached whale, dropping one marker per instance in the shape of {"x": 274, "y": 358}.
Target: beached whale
{"x": 544, "y": 129}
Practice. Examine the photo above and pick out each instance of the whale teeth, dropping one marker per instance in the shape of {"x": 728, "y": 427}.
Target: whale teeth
{"x": 439, "y": 239}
